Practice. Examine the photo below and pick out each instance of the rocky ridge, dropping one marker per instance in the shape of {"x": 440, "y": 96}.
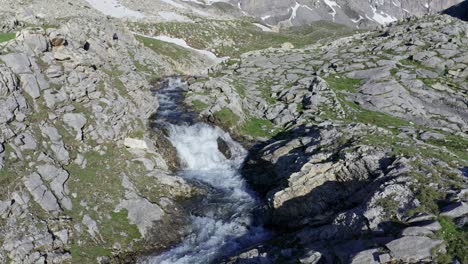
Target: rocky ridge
{"x": 362, "y": 142}
{"x": 286, "y": 13}
{"x": 81, "y": 179}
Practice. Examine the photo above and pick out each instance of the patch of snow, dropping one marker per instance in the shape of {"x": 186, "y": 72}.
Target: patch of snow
{"x": 266, "y": 17}
{"x": 210, "y": 2}
{"x": 172, "y": 16}
{"x": 381, "y": 17}
{"x": 264, "y": 28}
{"x": 294, "y": 11}
{"x": 357, "y": 20}
{"x": 183, "y": 43}
{"x": 242, "y": 10}
{"x": 396, "y": 3}
{"x": 174, "y": 4}
{"x": 332, "y": 5}
{"x": 114, "y": 8}
{"x": 195, "y": 1}
{"x": 205, "y": 2}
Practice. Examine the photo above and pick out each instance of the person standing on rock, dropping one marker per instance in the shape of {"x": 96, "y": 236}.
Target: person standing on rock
{"x": 115, "y": 37}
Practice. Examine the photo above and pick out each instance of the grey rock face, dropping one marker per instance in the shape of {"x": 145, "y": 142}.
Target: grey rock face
{"x": 416, "y": 231}
{"x": 455, "y": 210}
{"x": 76, "y": 122}
{"x": 34, "y": 40}
{"x": 413, "y": 249}
{"x": 57, "y": 179}
{"x": 8, "y": 81}
{"x": 41, "y": 194}
{"x": 7, "y": 109}
{"x": 2, "y": 156}
{"x": 91, "y": 226}
{"x": 17, "y": 62}
{"x": 353, "y": 13}
{"x": 51, "y": 90}
{"x": 56, "y": 197}
{"x": 30, "y": 85}
{"x": 358, "y": 118}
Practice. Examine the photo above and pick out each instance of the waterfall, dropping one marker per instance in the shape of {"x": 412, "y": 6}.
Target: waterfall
{"x": 226, "y": 225}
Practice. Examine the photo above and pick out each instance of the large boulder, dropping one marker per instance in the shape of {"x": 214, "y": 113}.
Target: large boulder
{"x": 41, "y": 193}
{"x": 413, "y": 249}
{"x": 18, "y": 62}
{"x": 34, "y": 40}
{"x": 8, "y": 81}
{"x": 134, "y": 143}
{"x": 76, "y": 121}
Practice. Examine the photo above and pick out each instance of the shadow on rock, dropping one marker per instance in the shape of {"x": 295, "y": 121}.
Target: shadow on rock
{"x": 459, "y": 11}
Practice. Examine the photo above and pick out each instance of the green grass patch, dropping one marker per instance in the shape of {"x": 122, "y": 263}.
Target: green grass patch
{"x": 362, "y": 115}
{"x": 4, "y": 37}
{"x": 454, "y": 143}
{"x": 429, "y": 82}
{"x": 199, "y": 106}
{"x": 413, "y": 64}
{"x": 257, "y": 127}
{"x": 169, "y": 50}
{"x": 233, "y": 38}
{"x": 343, "y": 84}
{"x": 389, "y": 205}
{"x": 116, "y": 83}
{"x": 240, "y": 88}
{"x": 264, "y": 86}
{"x": 456, "y": 239}
{"x": 88, "y": 253}
{"x": 427, "y": 196}
{"x": 226, "y": 117}
{"x": 11, "y": 173}
{"x": 117, "y": 224}
{"x": 100, "y": 185}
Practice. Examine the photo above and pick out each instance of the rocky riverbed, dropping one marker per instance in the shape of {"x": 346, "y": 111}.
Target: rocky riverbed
{"x": 331, "y": 146}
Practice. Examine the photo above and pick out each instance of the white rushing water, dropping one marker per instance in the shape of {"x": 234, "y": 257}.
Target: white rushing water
{"x": 225, "y": 225}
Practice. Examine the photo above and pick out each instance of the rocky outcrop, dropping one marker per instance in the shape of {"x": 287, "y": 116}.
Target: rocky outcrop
{"x": 70, "y": 100}
{"x": 355, "y": 126}
{"x": 352, "y": 13}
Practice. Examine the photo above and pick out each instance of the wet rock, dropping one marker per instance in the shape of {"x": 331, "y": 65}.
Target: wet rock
{"x": 164, "y": 146}
{"x": 223, "y": 147}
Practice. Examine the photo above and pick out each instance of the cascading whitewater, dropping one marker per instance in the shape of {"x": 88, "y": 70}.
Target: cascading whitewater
{"x": 226, "y": 226}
